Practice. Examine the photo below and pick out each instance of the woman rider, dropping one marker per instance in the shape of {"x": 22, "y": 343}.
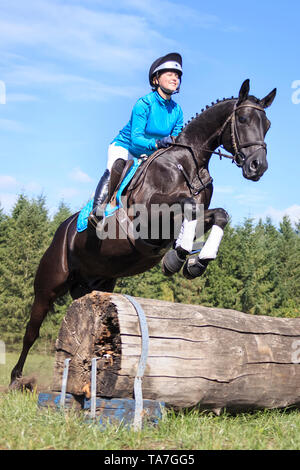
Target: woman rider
{"x": 154, "y": 120}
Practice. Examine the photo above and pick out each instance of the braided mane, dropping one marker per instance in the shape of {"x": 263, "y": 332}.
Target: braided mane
{"x": 250, "y": 97}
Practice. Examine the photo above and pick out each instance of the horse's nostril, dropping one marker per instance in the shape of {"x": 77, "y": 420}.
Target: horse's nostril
{"x": 254, "y": 165}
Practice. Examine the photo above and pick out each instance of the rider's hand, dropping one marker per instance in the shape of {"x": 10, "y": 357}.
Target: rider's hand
{"x": 164, "y": 142}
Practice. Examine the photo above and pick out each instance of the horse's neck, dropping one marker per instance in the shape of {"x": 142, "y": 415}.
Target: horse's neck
{"x": 203, "y": 131}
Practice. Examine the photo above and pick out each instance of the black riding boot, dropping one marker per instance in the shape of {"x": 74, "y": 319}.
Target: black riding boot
{"x": 100, "y": 195}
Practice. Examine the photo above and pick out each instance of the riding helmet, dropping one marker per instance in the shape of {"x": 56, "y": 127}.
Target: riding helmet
{"x": 172, "y": 61}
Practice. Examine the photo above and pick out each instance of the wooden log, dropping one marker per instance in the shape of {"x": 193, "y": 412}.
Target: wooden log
{"x": 211, "y": 357}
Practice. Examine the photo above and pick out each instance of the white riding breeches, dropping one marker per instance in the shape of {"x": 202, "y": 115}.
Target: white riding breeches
{"x": 115, "y": 152}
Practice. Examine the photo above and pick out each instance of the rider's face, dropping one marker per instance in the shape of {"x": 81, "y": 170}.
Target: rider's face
{"x": 169, "y": 80}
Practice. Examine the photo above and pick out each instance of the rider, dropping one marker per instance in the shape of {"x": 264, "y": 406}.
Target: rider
{"x": 155, "y": 119}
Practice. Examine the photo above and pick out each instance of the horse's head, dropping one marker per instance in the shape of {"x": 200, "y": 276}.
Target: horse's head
{"x": 245, "y": 130}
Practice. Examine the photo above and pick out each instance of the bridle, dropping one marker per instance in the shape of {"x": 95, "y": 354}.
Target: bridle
{"x": 238, "y": 157}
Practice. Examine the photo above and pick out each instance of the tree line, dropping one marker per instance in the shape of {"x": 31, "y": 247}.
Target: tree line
{"x": 257, "y": 270}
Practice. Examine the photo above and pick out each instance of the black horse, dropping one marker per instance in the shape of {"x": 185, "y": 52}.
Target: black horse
{"x": 80, "y": 262}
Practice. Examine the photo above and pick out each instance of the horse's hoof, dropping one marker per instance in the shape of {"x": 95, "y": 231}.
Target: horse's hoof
{"x": 23, "y": 383}
{"x": 194, "y": 267}
{"x": 171, "y": 263}
{"x": 15, "y": 384}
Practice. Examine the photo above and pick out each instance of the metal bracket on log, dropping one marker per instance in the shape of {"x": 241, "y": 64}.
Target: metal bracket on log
{"x": 138, "y": 395}
{"x": 64, "y": 384}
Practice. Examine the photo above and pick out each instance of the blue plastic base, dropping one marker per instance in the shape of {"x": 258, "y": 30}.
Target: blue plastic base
{"x": 108, "y": 410}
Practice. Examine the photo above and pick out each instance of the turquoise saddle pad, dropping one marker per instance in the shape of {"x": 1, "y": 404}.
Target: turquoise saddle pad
{"x": 82, "y": 221}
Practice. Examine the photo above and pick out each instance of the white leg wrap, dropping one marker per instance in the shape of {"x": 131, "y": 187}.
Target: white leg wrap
{"x": 186, "y": 236}
{"x": 210, "y": 249}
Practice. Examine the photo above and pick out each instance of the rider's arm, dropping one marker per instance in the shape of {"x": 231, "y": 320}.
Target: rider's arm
{"x": 139, "y": 120}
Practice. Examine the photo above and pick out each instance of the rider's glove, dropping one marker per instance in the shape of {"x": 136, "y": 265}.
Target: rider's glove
{"x": 164, "y": 142}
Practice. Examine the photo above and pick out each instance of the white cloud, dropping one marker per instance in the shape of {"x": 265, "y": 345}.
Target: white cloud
{"x": 20, "y": 98}
{"x": 251, "y": 197}
{"x": 106, "y": 39}
{"x": 7, "y": 181}
{"x": 68, "y": 193}
{"x": 122, "y": 37}
{"x": 223, "y": 189}
{"x": 11, "y": 125}
{"x": 78, "y": 175}
{"x": 73, "y": 87}
{"x": 33, "y": 187}
{"x": 7, "y": 201}
{"x": 159, "y": 10}
{"x": 293, "y": 212}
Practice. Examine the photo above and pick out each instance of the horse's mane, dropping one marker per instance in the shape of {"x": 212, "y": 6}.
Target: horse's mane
{"x": 213, "y": 104}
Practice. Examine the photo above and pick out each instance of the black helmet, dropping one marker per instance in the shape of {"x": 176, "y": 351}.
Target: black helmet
{"x": 172, "y": 61}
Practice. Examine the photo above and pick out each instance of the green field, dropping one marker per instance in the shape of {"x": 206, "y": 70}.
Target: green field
{"x": 24, "y": 426}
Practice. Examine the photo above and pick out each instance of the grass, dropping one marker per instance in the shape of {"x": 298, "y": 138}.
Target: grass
{"x": 24, "y": 426}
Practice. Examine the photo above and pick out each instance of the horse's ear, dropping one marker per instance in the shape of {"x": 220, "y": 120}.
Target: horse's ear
{"x": 244, "y": 91}
{"x": 268, "y": 100}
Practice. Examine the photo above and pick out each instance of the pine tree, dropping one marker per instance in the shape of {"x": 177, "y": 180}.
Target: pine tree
{"x": 287, "y": 282}
{"x": 26, "y": 237}
{"x": 62, "y": 214}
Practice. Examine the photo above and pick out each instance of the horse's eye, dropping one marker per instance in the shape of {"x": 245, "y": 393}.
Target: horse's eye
{"x": 242, "y": 119}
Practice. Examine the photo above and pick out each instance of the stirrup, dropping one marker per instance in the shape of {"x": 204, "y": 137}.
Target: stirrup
{"x": 94, "y": 219}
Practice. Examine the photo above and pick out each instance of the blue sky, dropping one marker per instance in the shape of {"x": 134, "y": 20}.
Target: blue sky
{"x": 73, "y": 70}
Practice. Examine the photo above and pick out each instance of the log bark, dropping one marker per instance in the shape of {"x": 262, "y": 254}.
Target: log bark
{"x": 211, "y": 357}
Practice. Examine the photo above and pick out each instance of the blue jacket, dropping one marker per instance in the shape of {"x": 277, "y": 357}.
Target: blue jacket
{"x": 152, "y": 118}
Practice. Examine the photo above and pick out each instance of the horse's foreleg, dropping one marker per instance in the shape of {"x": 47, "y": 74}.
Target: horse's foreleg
{"x": 175, "y": 258}
{"x": 216, "y": 220}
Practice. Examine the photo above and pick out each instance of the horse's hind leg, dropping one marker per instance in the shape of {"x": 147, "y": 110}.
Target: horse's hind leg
{"x": 39, "y": 310}
{"x": 50, "y": 283}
